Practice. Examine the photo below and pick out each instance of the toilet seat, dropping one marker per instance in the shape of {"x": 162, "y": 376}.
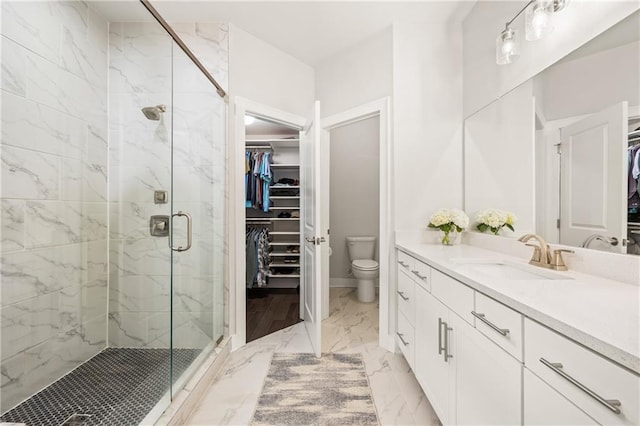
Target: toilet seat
{"x": 365, "y": 264}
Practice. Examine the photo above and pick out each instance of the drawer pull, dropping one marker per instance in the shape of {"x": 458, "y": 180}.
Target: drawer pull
{"x": 404, "y": 265}
{"x": 481, "y": 317}
{"x": 611, "y": 404}
{"x": 401, "y": 294}
{"x": 417, "y": 274}
{"x": 402, "y": 340}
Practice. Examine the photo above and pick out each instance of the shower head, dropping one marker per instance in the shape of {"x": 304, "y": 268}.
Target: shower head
{"x": 154, "y": 112}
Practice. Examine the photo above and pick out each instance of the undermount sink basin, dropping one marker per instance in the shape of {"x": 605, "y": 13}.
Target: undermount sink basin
{"x": 506, "y": 270}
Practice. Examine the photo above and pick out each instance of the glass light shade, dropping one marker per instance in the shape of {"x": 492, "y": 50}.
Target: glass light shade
{"x": 507, "y": 46}
{"x": 538, "y": 19}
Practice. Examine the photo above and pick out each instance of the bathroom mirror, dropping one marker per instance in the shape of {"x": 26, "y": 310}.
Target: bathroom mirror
{"x": 556, "y": 150}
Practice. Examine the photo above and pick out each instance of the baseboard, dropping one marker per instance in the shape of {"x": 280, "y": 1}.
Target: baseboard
{"x": 343, "y": 282}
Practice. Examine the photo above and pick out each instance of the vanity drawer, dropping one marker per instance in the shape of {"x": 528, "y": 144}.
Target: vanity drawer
{"x": 455, "y": 295}
{"x": 422, "y": 274}
{"x": 585, "y": 377}
{"x": 501, "y": 324}
{"x": 406, "y": 338}
{"x": 406, "y": 297}
{"x": 405, "y": 262}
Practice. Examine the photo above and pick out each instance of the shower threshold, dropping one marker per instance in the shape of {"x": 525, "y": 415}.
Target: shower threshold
{"x": 118, "y": 386}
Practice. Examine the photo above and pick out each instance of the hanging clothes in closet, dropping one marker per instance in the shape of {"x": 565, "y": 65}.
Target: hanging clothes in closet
{"x": 633, "y": 178}
{"x": 258, "y": 178}
{"x": 257, "y": 247}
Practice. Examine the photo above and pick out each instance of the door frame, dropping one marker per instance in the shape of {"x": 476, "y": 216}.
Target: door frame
{"x": 237, "y": 213}
{"x": 382, "y": 109}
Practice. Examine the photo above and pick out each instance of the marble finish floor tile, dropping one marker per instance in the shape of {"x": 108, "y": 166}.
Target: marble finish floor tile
{"x": 352, "y": 327}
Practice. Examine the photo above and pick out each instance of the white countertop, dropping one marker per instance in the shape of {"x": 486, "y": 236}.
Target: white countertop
{"x": 599, "y": 313}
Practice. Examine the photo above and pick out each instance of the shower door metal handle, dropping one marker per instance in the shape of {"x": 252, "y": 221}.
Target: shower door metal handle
{"x": 189, "y": 231}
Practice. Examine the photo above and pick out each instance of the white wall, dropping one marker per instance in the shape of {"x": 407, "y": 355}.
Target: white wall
{"x": 611, "y": 76}
{"x": 485, "y": 81}
{"x": 260, "y": 72}
{"x": 354, "y": 189}
{"x": 427, "y": 110}
{"x": 356, "y": 76}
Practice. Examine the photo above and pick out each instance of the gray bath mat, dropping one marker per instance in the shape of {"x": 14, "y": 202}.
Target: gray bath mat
{"x": 301, "y": 389}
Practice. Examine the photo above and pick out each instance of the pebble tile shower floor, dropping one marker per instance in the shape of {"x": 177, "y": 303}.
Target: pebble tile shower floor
{"x": 116, "y": 387}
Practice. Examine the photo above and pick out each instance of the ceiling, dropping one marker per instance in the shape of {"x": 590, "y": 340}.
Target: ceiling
{"x": 311, "y": 31}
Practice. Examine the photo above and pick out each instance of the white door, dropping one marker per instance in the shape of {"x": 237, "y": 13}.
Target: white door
{"x": 593, "y": 175}
{"x": 311, "y": 191}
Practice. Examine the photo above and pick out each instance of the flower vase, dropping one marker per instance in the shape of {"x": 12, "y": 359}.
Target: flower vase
{"x": 449, "y": 238}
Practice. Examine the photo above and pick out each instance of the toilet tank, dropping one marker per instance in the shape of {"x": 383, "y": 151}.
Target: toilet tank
{"x": 361, "y": 247}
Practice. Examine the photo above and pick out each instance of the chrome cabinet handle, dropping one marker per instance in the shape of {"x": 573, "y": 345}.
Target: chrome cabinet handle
{"x": 311, "y": 240}
{"x": 440, "y": 348}
{"x": 402, "y": 340}
{"x": 417, "y": 274}
{"x": 481, "y": 317}
{"x": 189, "y": 232}
{"x": 611, "y": 404}
{"x": 447, "y": 329}
{"x": 405, "y": 265}
{"x": 405, "y": 298}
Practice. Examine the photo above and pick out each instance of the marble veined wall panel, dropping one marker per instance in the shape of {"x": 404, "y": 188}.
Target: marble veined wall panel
{"x": 54, "y": 212}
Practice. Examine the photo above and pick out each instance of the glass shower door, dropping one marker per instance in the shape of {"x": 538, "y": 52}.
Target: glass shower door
{"x": 197, "y": 209}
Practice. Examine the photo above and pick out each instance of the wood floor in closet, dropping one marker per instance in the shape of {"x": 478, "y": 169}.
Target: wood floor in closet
{"x": 270, "y": 310}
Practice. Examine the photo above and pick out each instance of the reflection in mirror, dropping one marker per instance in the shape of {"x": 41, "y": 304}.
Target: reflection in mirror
{"x": 560, "y": 149}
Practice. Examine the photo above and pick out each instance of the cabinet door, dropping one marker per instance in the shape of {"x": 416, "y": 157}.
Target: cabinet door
{"x": 431, "y": 370}
{"x": 488, "y": 380}
{"x": 544, "y": 406}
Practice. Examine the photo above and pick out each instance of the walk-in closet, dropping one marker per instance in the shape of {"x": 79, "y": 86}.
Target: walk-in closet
{"x": 633, "y": 217}
{"x": 272, "y": 197}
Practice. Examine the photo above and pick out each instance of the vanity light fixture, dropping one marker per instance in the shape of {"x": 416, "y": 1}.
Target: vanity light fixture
{"x": 507, "y": 46}
{"x": 538, "y": 23}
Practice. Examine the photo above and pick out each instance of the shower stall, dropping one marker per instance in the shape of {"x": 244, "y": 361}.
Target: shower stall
{"x": 113, "y": 204}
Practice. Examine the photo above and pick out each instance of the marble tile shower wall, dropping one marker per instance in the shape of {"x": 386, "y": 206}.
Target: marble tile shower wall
{"x": 54, "y": 192}
{"x": 144, "y": 70}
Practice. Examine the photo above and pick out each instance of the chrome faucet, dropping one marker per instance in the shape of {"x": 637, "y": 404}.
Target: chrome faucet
{"x": 542, "y": 253}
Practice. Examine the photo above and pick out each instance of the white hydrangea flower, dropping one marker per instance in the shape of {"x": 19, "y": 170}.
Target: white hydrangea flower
{"x": 494, "y": 219}
{"x": 441, "y": 217}
{"x": 460, "y": 218}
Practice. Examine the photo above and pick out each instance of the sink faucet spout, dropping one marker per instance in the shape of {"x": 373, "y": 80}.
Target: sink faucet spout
{"x": 541, "y": 255}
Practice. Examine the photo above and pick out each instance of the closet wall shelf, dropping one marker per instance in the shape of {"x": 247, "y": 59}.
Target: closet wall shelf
{"x": 284, "y": 265}
{"x": 284, "y": 254}
{"x": 285, "y": 208}
{"x": 284, "y": 275}
{"x": 284, "y": 166}
{"x": 285, "y": 197}
{"x": 284, "y": 187}
{"x": 256, "y": 141}
{"x": 284, "y": 243}
{"x": 284, "y": 233}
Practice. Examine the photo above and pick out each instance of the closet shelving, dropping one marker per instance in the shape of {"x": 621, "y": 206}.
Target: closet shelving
{"x": 285, "y": 244}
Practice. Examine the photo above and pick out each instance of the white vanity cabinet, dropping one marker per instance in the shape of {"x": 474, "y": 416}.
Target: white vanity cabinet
{"x": 488, "y": 380}
{"x": 605, "y": 391}
{"x": 468, "y": 378}
{"x": 434, "y": 367}
{"x": 544, "y": 406}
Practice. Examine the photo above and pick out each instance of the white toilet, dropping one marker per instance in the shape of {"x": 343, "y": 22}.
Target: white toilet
{"x": 363, "y": 267}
